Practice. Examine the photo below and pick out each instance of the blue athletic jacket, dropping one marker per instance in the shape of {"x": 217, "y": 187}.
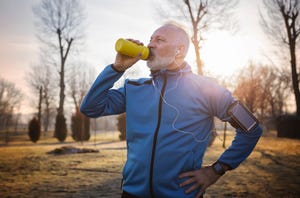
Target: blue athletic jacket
{"x": 169, "y": 119}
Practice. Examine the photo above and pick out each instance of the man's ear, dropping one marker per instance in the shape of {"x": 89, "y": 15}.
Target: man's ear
{"x": 180, "y": 52}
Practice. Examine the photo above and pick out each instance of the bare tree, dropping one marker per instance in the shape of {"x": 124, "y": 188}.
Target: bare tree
{"x": 80, "y": 79}
{"x": 79, "y": 82}
{"x": 263, "y": 89}
{"x": 60, "y": 27}
{"x": 40, "y": 104}
{"x": 283, "y": 88}
{"x": 276, "y": 86}
{"x": 38, "y": 76}
{"x": 10, "y": 96}
{"x": 10, "y": 100}
{"x": 201, "y": 15}
{"x": 248, "y": 87}
{"x": 282, "y": 24}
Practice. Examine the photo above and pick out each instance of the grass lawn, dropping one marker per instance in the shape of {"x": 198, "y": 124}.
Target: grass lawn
{"x": 26, "y": 170}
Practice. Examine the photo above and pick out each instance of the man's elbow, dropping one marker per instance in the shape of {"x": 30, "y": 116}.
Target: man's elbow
{"x": 89, "y": 111}
{"x": 256, "y": 133}
{"x": 83, "y": 109}
{"x": 259, "y": 130}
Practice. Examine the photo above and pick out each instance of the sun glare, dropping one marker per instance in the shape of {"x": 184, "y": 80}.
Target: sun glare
{"x": 223, "y": 54}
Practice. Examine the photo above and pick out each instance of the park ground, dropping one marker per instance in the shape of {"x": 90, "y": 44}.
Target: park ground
{"x": 27, "y": 170}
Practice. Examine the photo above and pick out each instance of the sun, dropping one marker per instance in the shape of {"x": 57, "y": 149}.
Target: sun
{"x": 223, "y": 54}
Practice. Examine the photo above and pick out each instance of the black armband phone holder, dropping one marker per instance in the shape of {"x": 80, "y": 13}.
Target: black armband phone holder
{"x": 241, "y": 117}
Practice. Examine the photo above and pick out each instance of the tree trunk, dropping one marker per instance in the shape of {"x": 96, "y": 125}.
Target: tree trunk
{"x": 195, "y": 41}
{"x": 40, "y": 105}
{"x": 47, "y": 116}
{"x": 292, "y": 38}
{"x": 295, "y": 80}
{"x": 63, "y": 58}
{"x": 197, "y": 52}
{"x": 60, "y": 109}
{"x": 61, "y": 128}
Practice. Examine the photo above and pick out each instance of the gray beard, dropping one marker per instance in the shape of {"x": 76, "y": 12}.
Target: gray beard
{"x": 160, "y": 63}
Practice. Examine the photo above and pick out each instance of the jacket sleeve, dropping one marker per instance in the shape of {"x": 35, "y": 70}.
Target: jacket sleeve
{"x": 101, "y": 99}
{"x": 241, "y": 147}
{"x": 244, "y": 142}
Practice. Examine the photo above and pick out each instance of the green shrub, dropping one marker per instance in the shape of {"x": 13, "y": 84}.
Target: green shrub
{"x": 288, "y": 126}
{"x": 34, "y": 130}
{"x": 122, "y": 126}
{"x": 60, "y": 128}
{"x": 80, "y": 126}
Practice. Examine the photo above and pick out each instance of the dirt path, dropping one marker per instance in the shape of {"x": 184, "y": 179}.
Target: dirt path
{"x": 273, "y": 170}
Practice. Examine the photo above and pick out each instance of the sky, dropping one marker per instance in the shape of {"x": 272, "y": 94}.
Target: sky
{"x": 108, "y": 20}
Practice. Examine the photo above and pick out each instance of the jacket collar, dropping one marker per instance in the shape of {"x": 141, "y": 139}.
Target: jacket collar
{"x": 184, "y": 68}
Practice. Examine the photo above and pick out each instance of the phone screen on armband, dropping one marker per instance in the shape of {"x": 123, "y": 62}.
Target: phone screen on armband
{"x": 242, "y": 116}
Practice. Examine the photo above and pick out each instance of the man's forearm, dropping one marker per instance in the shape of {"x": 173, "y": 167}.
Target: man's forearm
{"x": 95, "y": 102}
{"x": 241, "y": 147}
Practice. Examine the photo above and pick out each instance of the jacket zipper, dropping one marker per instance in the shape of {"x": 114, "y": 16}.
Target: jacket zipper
{"x": 155, "y": 136}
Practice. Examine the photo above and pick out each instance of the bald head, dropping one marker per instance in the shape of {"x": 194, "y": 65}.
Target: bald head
{"x": 178, "y": 34}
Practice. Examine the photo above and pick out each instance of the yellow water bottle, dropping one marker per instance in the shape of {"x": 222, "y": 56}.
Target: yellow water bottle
{"x": 132, "y": 49}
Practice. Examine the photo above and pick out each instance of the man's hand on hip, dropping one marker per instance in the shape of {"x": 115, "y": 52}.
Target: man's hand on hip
{"x": 201, "y": 179}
